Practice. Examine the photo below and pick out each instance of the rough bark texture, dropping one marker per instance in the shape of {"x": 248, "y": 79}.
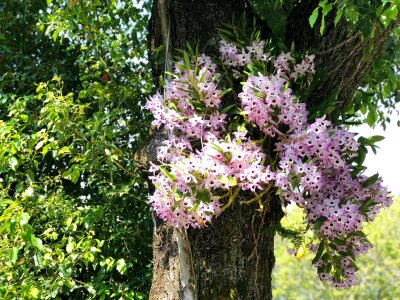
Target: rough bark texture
{"x": 233, "y": 257}
{"x": 166, "y": 274}
{"x": 342, "y": 57}
{"x": 191, "y": 21}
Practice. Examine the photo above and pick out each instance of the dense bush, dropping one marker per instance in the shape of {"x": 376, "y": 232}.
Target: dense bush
{"x": 74, "y": 222}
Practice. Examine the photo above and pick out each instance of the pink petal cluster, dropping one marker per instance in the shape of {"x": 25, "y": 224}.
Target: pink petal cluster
{"x": 201, "y": 160}
{"x": 317, "y": 177}
{"x": 232, "y": 57}
{"x": 189, "y": 197}
{"x": 207, "y": 160}
{"x": 271, "y": 106}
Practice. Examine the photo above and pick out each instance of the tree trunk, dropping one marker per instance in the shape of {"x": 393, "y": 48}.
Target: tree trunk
{"x": 343, "y": 57}
{"x": 233, "y": 257}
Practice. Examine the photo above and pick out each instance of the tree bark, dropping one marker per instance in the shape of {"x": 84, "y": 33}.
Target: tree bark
{"x": 343, "y": 57}
{"x": 233, "y": 257}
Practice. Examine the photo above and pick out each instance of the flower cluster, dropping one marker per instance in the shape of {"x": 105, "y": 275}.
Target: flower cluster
{"x": 234, "y": 58}
{"x": 317, "y": 177}
{"x": 270, "y": 106}
{"x": 211, "y": 154}
{"x": 199, "y": 160}
{"x": 188, "y": 193}
{"x": 231, "y": 56}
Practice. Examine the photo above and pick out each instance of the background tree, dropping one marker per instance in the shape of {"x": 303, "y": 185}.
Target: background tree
{"x": 74, "y": 223}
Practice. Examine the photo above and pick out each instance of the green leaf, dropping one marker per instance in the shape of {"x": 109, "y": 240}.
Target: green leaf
{"x": 319, "y": 253}
{"x": 34, "y": 292}
{"x": 64, "y": 150}
{"x": 363, "y": 141}
{"x": 322, "y": 28}
{"x": 228, "y": 181}
{"x": 273, "y": 13}
{"x": 30, "y": 175}
{"x": 13, "y": 255}
{"x": 292, "y": 47}
{"x": 339, "y": 242}
{"x": 224, "y": 92}
{"x": 371, "y": 180}
{"x": 27, "y": 233}
{"x": 327, "y": 8}
{"x": 121, "y": 266}
{"x": 189, "y": 48}
{"x": 319, "y": 222}
{"x": 203, "y": 196}
{"x": 46, "y": 149}
{"x": 328, "y": 267}
{"x": 375, "y": 138}
{"x": 373, "y": 147}
{"x": 322, "y": 3}
{"x": 366, "y": 204}
{"x": 325, "y": 258}
{"x": 391, "y": 12}
{"x": 365, "y": 27}
{"x": 216, "y": 147}
{"x": 24, "y": 219}
{"x": 89, "y": 256}
{"x": 69, "y": 221}
{"x": 167, "y": 173}
{"x": 72, "y": 173}
{"x": 37, "y": 243}
{"x": 352, "y": 15}
{"x": 39, "y": 145}
{"x": 232, "y": 181}
{"x": 13, "y": 162}
{"x": 371, "y": 117}
{"x": 38, "y": 259}
{"x": 70, "y": 246}
{"x": 314, "y": 16}
{"x": 362, "y": 153}
{"x": 55, "y": 34}
{"x": 360, "y": 234}
{"x": 24, "y": 117}
{"x": 186, "y": 59}
{"x": 228, "y": 108}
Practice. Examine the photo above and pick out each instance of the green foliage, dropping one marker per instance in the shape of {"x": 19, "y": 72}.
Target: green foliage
{"x": 323, "y": 8}
{"x": 291, "y": 277}
{"x": 26, "y": 56}
{"x": 290, "y": 233}
{"x": 364, "y": 14}
{"x": 377, "y": 100}
{"x": 74, "y": 223}
{"x": 274, "y": 13}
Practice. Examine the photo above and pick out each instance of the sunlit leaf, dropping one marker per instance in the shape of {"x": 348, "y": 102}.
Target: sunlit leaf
{"x": 121, "y": 266}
